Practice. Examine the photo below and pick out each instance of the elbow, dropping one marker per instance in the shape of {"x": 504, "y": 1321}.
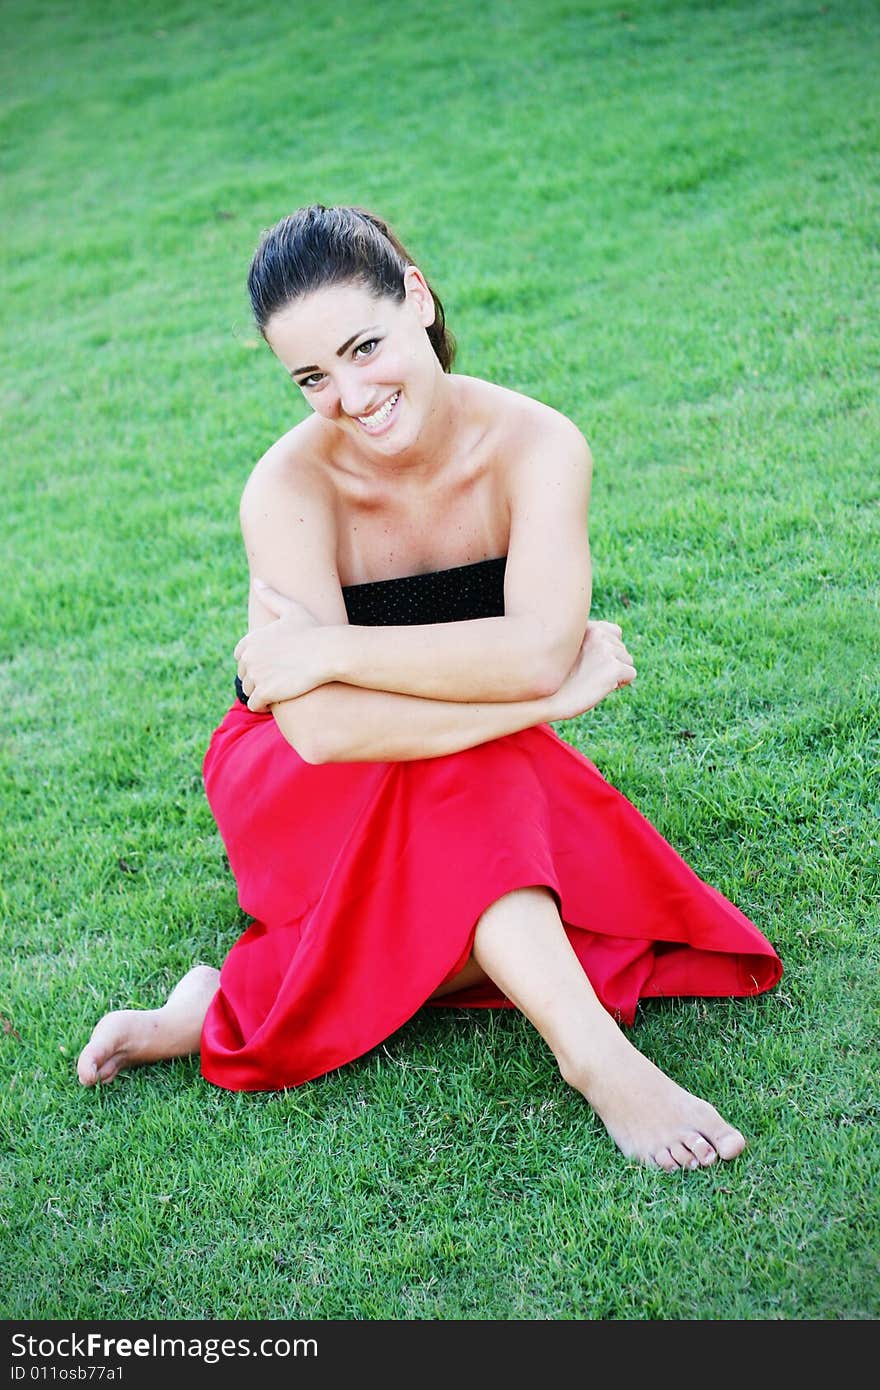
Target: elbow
{"x": 306, "y": 745}
{"x": 555, "y": 662}
{"x": 316, "y": 745}
{"x": 310, "y": 751}
{"x": 305, "y": 733}
{"x": 543, "y": 681}
{"x": 550, "y": 652}
{"x": 320, "y": 748}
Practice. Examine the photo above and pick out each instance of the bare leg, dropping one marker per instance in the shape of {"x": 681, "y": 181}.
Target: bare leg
{"x": 470, "y": 974}
{"x": 521, "y": 944}
{"x": 131, "y": 1036}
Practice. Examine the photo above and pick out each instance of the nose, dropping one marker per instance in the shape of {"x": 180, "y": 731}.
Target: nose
{"x": 356, "y": 396}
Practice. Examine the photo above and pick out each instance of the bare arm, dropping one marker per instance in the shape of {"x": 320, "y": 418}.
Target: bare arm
{"x": 502, "y": 659}
{"x": 290, "y": 538}
{"x": 526, "y": 654}
{"x": 344, "y": 723}
{"x": 289, "y": 532}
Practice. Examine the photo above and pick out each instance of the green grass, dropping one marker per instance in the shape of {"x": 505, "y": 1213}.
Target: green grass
{"x": 663, "y": 222}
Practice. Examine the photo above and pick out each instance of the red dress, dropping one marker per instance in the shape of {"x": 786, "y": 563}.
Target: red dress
{"x": 365, "y": 880}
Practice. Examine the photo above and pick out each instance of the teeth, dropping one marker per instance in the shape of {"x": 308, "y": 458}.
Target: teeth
{"x": 380, "y": 416}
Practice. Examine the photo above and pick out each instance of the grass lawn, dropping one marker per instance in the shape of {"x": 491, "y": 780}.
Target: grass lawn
{"x": 663, "y": 221}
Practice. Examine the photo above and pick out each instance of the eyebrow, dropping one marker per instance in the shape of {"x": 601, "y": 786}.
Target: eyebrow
{"x": 298, "y": 371}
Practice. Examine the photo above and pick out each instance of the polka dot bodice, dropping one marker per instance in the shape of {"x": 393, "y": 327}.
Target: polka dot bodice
{"x": 440, "y": 596}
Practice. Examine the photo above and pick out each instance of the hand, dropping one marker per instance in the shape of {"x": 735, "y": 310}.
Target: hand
{"x": 603, "y": 665}
{"x": 282, "y": 659}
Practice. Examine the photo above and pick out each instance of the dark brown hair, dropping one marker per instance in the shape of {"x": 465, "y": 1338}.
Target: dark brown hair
{"x": 317, "y": 246}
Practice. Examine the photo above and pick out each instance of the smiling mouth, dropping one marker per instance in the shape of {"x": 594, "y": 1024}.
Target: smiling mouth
{"x": 379, "y": 417}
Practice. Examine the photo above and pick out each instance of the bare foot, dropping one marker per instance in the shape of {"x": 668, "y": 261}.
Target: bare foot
{"x": 651, "y": 1118}
{"x": 129, "y": 1037}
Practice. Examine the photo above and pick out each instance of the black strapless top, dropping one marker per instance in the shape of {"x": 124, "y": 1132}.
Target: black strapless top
{"x": 440, "y": 596}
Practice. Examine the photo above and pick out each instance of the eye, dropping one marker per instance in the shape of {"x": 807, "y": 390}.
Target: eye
{"x": 308, "y": 383}
{"x": 367, "y": 348}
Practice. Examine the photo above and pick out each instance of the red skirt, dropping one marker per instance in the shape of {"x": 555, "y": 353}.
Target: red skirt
{"x": 366, "y": 881}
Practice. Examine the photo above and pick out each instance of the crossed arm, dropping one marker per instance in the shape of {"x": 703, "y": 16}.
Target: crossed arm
{"x": 343, "y": 693}
{"x": 344, "y": 723}
{"x": 339, "y": 722}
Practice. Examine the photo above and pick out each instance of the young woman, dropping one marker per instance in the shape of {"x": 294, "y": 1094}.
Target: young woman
{"x": 403, "y": 824}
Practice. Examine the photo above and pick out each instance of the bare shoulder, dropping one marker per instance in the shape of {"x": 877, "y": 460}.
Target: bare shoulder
{"x": 289, "y": 473}
{"x": 545, "y": 465}
{"x": 289, "y": 528}
{"x": 527, "y": 434}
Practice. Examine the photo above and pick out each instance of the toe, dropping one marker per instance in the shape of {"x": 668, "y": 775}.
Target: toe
{"x": 700, "y": 1148}
{"x": 86, "y": 1068}
{"x": 102, "y": 1056}
{"x": 108, "y": 1069}
{"x": 663, "y": 1158}
{"x": 683, "y": 1156}
{"x": 729, "y": 1143}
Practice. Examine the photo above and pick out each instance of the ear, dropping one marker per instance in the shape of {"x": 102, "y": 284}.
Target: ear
{"x": 419, "y": 296}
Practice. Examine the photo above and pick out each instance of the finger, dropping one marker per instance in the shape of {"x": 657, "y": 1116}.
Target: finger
{"x": 619, "y": 655}
{"x": 616, "y": 644}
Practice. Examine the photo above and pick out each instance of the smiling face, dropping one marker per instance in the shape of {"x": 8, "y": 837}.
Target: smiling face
{"x": 363, "y": 363}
